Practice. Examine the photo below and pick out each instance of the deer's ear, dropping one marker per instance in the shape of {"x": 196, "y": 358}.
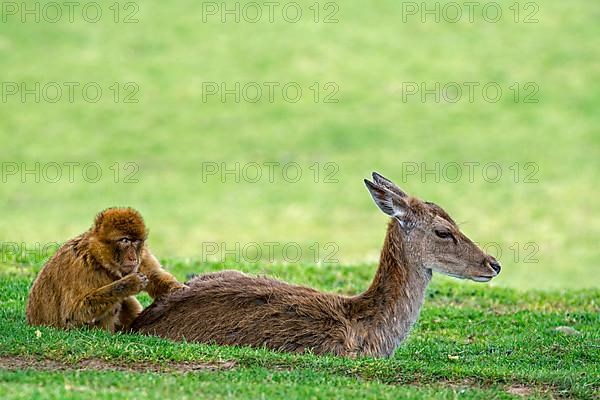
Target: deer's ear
{"x": 388, "y": 202}
{"x": 386, "y": 183}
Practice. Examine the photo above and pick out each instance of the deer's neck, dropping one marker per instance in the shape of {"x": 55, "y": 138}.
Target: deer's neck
{"x": 387, "y": 311}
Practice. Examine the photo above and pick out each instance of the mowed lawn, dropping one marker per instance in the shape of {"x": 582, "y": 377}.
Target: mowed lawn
{"x": 472, "y": 341}
{"x": 539, "y": 216}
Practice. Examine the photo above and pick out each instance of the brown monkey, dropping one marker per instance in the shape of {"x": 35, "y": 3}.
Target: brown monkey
{"x": 92, "y": 279}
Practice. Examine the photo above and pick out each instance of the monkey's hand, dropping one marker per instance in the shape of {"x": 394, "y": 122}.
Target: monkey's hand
{"x": 98, "y": 302}
{"x": 178, "y": 286}
{"x": 133, "y": 283}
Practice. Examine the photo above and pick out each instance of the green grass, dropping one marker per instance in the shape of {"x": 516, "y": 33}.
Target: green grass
{"x": 265, "y": 384}
{"x": 482, "y": 341}
{"x": 472, "y": 341}
{"x": 368, "y": 54}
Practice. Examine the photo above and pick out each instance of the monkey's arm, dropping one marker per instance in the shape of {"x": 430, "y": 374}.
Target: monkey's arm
{"x": 97, "y": 303}
{"x": 160, "y": 282}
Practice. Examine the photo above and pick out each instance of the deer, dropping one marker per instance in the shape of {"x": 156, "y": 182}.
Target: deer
{"x": 233, "y": 308}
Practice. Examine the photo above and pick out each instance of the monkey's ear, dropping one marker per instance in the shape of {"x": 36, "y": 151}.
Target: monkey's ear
{"x": 98, "y": 220}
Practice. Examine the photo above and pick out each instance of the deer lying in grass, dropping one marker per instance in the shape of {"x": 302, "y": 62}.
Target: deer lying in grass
{"x": 232, "y": 308}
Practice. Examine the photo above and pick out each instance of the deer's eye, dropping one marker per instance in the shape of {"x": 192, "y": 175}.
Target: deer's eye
{"x": 444, "y": 234}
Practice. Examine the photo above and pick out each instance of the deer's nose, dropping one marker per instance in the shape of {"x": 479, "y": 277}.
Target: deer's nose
{"x": 494, "y": 264}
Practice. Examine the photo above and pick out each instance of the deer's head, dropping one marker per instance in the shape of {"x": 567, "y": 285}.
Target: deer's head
{"x": 430, "y": 238}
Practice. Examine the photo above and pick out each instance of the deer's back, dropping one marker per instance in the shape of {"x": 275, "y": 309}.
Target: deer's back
{"x": 231, "y": 308}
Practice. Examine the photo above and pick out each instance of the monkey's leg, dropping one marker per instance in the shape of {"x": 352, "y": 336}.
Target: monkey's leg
{"x": 130, "y": 309}
{"x": 99, "y": 302}
{"x": 160, "y": 282}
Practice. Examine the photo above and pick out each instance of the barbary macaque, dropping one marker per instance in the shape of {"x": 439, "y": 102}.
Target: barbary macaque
{"x": 92, "y": 279}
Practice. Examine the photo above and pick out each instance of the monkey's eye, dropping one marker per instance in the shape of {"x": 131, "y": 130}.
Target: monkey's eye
{"x": 123, "y": 240}
{"x": 443, "y": 234}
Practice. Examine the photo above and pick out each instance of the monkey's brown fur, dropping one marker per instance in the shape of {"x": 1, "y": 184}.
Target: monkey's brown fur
{"x": 232, "y": 308}
{"x": 92, "y": 279}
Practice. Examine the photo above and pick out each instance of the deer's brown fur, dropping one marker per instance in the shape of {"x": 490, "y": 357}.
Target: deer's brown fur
{"x": 232, "y": 308}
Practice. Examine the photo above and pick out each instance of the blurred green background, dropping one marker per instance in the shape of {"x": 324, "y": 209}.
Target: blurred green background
{"x": 544, "y": 220}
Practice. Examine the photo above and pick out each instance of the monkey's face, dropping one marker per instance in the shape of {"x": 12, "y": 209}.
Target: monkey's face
{"x": 127, "y": 253}
{"x": 117, "y": 239}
